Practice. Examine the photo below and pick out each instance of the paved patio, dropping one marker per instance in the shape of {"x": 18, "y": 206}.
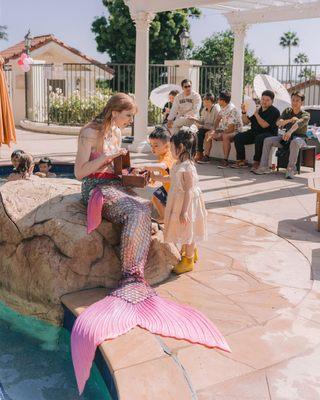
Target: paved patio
{"x": 254, "y": 280}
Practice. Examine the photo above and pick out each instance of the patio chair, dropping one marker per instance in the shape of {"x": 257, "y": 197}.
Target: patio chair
{"x": 306, "y": 158}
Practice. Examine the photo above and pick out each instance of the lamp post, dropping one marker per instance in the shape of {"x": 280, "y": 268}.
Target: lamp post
{"x": 27, "y": 42}
{"x": 184, "y": 41}
{"x": 27, "y": 45}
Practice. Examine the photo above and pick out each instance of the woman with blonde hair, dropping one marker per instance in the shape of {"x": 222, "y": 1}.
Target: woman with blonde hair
{"x": 133, "y": 302}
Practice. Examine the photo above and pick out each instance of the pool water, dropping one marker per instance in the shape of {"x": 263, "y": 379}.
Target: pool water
{"x": 35, "y": 362}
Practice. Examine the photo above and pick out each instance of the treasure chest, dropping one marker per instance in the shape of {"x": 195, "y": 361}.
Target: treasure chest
{"x": 133, "y": 177}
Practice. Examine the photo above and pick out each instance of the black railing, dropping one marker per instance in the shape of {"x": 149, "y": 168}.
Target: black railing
{"x": 72, "y": 94}
{"x": 302, "y": 77}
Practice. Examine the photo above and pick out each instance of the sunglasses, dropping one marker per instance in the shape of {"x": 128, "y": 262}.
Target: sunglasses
{"x": 186, "y": 86}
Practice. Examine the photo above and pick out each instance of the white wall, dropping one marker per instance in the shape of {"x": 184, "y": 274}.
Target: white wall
{"x": 51, "y": 53}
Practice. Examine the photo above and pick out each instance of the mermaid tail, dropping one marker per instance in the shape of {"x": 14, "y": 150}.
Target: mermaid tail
{"x": 134, "y": 302}
{"x": 114, "y": 316}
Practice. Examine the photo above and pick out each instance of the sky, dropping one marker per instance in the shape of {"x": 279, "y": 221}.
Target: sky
{"x": 70, "y": 21}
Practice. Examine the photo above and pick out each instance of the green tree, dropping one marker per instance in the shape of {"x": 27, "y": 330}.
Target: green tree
{"x": 116, "y": 36}
{"x": 217, "y": 51}
{"x": 307, "y": 74}
{"x": 3, "y": 32}
{"x": 301, "y": 58}
{"x": 289, "y": 40}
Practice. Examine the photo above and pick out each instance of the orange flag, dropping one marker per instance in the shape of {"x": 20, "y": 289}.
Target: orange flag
{"x": 7, "y": 128}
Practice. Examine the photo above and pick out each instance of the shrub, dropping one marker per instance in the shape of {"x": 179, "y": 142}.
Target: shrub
{"x": 75, "y": 110}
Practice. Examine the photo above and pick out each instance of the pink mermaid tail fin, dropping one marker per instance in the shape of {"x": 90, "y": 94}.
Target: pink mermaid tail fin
{"x": 168, "y": 318}
{"x": 114, "y": 316}
{"x": 94, "y": 210}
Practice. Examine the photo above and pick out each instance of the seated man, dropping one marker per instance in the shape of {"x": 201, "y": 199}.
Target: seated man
{"x": 227, "y": 125}
{"x": 295, "y": 121}
{"x": 263, "y": 125}
{"x": 186, "y": 106}
{"x": 206, "y": 122}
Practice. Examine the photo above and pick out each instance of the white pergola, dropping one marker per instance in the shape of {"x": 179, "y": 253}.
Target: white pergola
{"x": 240, "y": 15}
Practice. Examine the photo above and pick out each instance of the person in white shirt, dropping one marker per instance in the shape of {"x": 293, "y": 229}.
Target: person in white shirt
{"x": 205, "y": 123}
{"x": 227, "y": 125}
{"x": 186, "y": 107}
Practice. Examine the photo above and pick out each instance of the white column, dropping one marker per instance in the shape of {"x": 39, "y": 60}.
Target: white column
{"x": 184, "y": 69}
{"x": 238, "y": 63}
{"x": 142, "y": 21}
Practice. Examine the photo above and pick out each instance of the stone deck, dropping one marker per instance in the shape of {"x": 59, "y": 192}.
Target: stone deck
{"x": 255, "y": 286}
{"x": 254, "y": 280}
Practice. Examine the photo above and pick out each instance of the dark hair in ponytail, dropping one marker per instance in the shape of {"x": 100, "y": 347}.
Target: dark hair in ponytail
{"x": 25, "y": 162}
{"x": 187, "y": 138}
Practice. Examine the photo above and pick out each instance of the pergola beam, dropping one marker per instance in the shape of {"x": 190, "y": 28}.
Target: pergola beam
{"x": 275, "y": 14}
{"x": 154, "y": 6}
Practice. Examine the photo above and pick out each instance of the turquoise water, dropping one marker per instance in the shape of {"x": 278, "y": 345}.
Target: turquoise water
{"x": 35, "y": 361}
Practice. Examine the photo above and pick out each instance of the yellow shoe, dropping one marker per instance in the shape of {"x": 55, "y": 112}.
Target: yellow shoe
{"x": 185, "y": 265}
{"x": 195, "y": 254}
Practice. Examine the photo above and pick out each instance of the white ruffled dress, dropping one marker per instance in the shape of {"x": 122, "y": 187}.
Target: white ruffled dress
{"x": 196, "y": 230}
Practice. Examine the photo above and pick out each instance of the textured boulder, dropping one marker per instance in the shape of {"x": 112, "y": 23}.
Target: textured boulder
{"x": 45, "y": 251}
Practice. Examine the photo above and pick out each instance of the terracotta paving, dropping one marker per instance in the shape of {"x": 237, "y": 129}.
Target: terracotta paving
{"x": 263, "y": 302}
{"x": 253, "y": 280}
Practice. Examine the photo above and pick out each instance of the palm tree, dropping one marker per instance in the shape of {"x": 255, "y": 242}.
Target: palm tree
{"x": 288, "y": 40}
{"x": 301, "y": 58}
{"x": 3, "y": 33}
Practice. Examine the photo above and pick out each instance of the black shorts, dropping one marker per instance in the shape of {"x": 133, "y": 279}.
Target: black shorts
{"x": 161, "y": 194}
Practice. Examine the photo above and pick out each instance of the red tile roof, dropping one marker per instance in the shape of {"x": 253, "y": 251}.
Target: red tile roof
{"x": 38, "y": 41}
{"x": 303, "y": 85}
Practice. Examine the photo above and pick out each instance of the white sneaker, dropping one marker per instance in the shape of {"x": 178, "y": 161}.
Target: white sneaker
{"x": 290, "y": 173}
{"x": 262, "y": 171}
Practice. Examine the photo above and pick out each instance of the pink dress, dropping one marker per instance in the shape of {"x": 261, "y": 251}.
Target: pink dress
{"x": 196, "y": 229}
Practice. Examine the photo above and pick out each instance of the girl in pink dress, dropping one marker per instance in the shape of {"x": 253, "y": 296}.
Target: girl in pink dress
{"x": 185, "y": 216}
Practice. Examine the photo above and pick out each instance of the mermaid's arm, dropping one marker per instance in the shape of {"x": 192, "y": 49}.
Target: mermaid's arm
{"x": 83, "y": 166}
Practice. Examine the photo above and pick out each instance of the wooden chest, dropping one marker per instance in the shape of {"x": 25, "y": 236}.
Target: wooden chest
{"x": 130, "y": 176}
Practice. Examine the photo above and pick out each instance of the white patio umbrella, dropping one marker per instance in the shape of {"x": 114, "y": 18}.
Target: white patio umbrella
{"x": 159, "y": 96}
{"x": 264, "y": 82}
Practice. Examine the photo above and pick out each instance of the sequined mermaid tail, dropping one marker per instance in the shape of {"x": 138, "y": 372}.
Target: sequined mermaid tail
{"x": 134, "y": 302}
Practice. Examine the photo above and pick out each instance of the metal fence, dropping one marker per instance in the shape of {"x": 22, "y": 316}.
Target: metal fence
{"x": 302, "y": 77}
{"x": 214, "y": 78}
{"x": 306, "y": 78}
{"x": 72, "y": 94}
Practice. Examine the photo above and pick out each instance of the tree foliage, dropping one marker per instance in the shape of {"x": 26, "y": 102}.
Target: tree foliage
{"x": 301, "y": 58}
{"x": 116, "y": 33}
{"x": 3, "y": 32}
{"x": 217, "y": 51}
{"x": 288, "y": 40}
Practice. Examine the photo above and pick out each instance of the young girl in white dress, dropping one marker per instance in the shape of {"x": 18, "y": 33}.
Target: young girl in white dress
{"x": 185, "y": 222}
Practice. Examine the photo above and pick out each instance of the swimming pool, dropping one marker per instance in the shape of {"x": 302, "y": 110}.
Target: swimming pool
{"x": 35, "y": 362}
{"x": 63, "y": 170}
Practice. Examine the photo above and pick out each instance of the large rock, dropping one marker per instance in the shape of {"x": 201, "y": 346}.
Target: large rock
{"x": 45, "y": 251}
